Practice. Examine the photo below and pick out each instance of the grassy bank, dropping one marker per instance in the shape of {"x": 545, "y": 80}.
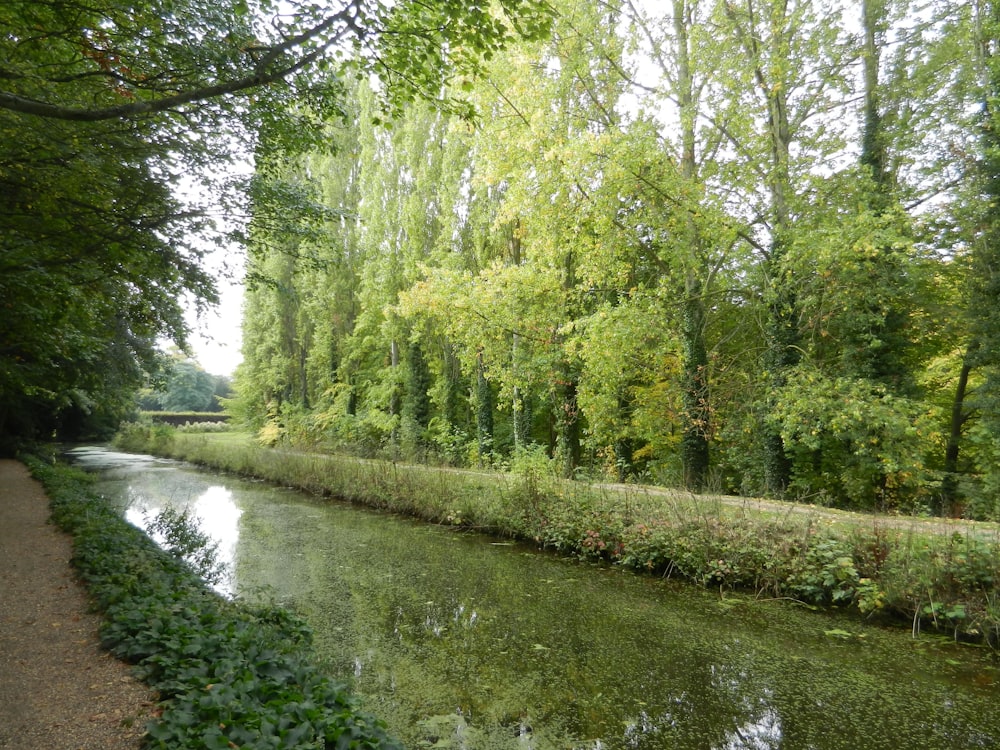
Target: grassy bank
{"x": 228, "y": 675}
{"x": 920, "y": 572}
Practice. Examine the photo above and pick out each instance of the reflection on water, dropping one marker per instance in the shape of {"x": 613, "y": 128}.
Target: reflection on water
{"x": 144, "y": 488}
{"x": 215, "y": 513}
{"x": 458, "y": 642}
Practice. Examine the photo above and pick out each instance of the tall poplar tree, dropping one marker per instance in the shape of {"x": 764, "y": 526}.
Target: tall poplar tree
{"x": 793, "y": 63}
{"x": 984, "y": 349}
{"x": 106, "y": 106}
{"x": 678, "y": 43}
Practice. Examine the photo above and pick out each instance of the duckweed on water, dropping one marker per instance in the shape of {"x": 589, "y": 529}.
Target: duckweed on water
{"x": 447, "y": 633}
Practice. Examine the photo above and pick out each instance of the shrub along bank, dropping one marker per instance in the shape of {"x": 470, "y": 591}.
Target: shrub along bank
{"x": 228, "y": 675}
{"x": 932, "y": 576}
{"x": 181, "y": 418}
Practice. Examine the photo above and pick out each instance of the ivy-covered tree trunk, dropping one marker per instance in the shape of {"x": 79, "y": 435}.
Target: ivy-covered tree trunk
{"x": 782, "y": 333}
{"x": 782, "y": 353}
{"x": 303, "y": 373}
{"x": 694, "y": 441}
{"x": 624, "y": 446}
{"x": 959, "y": 416}
{"x": 873, "y": 146}
{"x": 695, "y": 392}
{"x": 484, "y": 410}
{"x": 567, "y": 419}
{"x": 521, "y": 417}
{"x": 454, "y": 401}
{"x": 876, "y": 346}
{"x": 396, "y": 389}
{"x": 417, "y": 402}
{"x": 521, "y": 406}
{"x": 984, "y": 297}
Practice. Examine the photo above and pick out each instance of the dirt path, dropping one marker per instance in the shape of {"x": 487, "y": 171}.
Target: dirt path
{"x": 58, "y": 689}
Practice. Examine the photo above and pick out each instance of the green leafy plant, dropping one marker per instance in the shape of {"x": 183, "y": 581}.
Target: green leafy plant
{"x": 828, "y": 574}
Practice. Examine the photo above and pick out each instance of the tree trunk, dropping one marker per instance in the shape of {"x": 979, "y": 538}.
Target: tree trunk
{"x": 696, "y": 426}
{"x": 694, "y": 441}
{"x": 484, "y": 410}
{"x": 781, "y": 355}
{"x": 568, "y": 426}
{"x": 873, "y": 155}
{"x": 455, "y": 406}
{"x": 783, "y": 334}
{"x": 304, "y": 375}
{"x": 521, "y": 411}
{"x": 949, "y": 485}
{"x": 394, "y": 397}
{"x": 416, "y": 398}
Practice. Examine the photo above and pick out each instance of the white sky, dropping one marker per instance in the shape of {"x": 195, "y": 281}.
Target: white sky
{"x": 216, "y": 338}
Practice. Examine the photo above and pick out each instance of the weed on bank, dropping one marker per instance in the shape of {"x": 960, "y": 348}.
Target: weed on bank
{"x": 228, "y": 675}
{"x": 947, "y": 582}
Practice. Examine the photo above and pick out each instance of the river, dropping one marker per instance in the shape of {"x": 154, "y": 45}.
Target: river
{"x": 458, "y": 640}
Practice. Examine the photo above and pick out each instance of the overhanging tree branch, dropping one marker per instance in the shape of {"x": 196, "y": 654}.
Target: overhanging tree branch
{"x": 261, "y": 75}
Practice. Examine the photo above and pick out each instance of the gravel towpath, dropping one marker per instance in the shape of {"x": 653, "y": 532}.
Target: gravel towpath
{"x": 58, "y": 689}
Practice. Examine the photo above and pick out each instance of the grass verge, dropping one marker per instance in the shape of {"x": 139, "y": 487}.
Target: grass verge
{"x": 228, "y": 675}
{"x": 937, "y": 577}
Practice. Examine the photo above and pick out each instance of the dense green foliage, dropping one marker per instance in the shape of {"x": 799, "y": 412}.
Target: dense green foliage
{"x": 185, "y": 387}
{"x": 746, "y": 246}
{"x": 95, "y": 256}
{"x": 123, "y": 129}
{"x": 742, "y": 246}
{"x": 228, "y": 675}
{"x": 942, "y": 578}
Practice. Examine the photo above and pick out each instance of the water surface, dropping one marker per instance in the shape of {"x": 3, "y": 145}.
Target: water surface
{"x": 458, "y": 640}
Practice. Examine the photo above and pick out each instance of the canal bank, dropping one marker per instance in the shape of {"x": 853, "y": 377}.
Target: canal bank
{"x": 227, "y": 674}
{"x": 918, "y": 573}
